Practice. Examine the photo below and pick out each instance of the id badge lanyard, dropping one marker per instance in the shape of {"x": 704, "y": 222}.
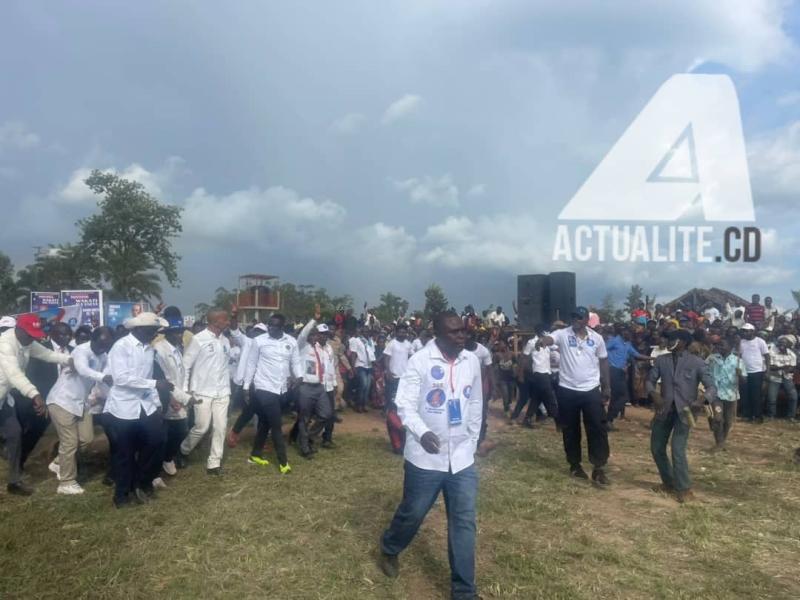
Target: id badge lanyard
{"x": 454, "y": 403}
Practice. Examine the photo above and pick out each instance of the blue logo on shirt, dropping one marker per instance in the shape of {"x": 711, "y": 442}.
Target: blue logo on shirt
{"x": 435, "y": 398}
{"x": 572, "y": 341}
{"x": 437, "y": 372}
{"x": 467, "y": 391}
{"x": 590, "y": 342}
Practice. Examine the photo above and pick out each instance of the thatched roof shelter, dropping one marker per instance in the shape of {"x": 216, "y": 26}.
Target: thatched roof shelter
{"x": 696, "y": 298}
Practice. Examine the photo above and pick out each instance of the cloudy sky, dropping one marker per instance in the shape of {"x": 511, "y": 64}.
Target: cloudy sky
{"x": 371, "y": 146}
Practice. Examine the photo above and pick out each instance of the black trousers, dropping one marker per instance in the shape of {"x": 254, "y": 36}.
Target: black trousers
{"x": 327, "y": 433}
{"x": 175, "y": 430}
{"x": 32, "y": 425}
{"x": 268, "y": 408}
{"x": 247, "y": 414}
{"x": 104, "y": 420}
{"x": 753, "y": 401}
{"x": 537, "y": 389}
{"x": 313, "y": 404}
{"x": 619, "y": 392}
{"x": 572, "y": 405}
{"x": 138, "y": 447}
{"x": 11, "y": 433}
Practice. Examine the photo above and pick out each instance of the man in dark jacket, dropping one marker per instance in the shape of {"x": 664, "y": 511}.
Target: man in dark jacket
{"x": 676, "y": 405}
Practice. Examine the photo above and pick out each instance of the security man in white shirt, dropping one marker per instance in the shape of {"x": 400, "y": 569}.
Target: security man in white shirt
{"x": 247, "y": 394}
{"x": 68, "y": 406}
{"x": 134, "y": 411}
{"x": 208, "y": 381}
{"x": 271, "y": 364}
{"x": 440, "y": 402}
{"x": 359, "y": 354}
{"x": 583, "y": 389}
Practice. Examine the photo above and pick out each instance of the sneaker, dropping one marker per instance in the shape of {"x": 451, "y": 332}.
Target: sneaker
{"x": 232, "y": 439}
{"x": 389, "y": 564}
{"x": 169, "y": 467}
{"x": 216, "y": 471}
{"x": 578, "y": 473}
{"x": 257, "y": 460}
{"x": 285, "y": 469}
{"x": 19, "y": 489}
{"x": 159, "y": 484}
{"x": 181, "y": 460}
{"x": 55, "y": 468}
{"x": 69, "y": 489}
{"x": 599, "y": 478}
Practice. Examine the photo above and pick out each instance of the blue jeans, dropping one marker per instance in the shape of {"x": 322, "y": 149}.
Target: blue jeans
{"x": 791, "y": 397}
{"x": 421, "y": 487}
{"x": 364, "y": 384}
{"x": 675, "y": 475}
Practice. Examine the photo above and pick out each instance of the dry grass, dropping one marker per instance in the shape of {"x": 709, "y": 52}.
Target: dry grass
{"x": 313, "y": 534}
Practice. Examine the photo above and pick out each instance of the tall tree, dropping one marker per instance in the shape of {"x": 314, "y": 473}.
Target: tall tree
{"x": 435, "y": 301}
{"x": 635, "y": 296}
{"x": 130, "y": 240}
{"x": 62, "y": 267}
{"x": 10, "y": 294}
{"x": 223, "y": 298}
{"x": 391, "y": 307}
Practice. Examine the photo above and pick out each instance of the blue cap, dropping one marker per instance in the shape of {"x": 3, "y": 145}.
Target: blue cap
{"x": 175, "y": 323}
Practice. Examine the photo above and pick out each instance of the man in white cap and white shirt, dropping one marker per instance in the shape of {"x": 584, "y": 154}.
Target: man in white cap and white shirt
{"x": 248, "y": 398}
{"x": 69, "y": 407}
{"x": 134, "y": 411}
{"x": 208, "y": 380}
{"x": 17, "y": 345}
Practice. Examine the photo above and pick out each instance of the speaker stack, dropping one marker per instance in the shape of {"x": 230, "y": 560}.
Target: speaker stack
{"x": 542, "y": 299}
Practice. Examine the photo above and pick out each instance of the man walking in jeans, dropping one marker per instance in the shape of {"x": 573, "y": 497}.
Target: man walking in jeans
{"x": 358, "y": 354}
{"x": 583, "y": 389}
{"x": 440, "y": 402}
{"x": 755, "y": 354}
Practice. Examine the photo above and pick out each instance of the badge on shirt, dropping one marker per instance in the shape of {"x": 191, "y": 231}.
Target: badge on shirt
{"x": 435, "y": 398}
{"x": 572, "y": 341}
{"x": 454, "y": 411}
{"x": 437, "y": 372}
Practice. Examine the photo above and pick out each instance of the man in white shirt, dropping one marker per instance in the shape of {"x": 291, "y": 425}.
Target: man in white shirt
{"x": 330, "y": 381}
{"x": 208, "y": 380}
{"x": 440, "y": 403}
{"x": 484, "y": 357}
{"x": 755, "y": 354}
{"x": 17, "y": 345}
{"x": 271, "y": 365}
{"x": 583, "y": 390}
{"x": 248, "y": 395}
{"x": 771, "y": 313}
{"x": 134, "y": 411}
{"x": 419, "y": 342}
{"x": 395, "y": 361}
{"x": 782, "y": 365}
{"x": 537, "y": 387}
{"x": 68, "y": 406}
{"x": 358, "y": 348}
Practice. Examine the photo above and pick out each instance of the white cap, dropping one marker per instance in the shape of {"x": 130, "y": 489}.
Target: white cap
{"x": 260, "y": 327}
{"x": 146, "y": 319}
{"x": 8, "y": 322}
{"x": 749, "y": 327}
{"x": 322, "y": 328}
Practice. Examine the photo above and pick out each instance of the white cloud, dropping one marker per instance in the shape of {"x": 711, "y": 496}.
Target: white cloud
{"x": 14, "y": 135}
{"x": 76, "y": 192}
{"x": 434, "y": 191}
{"x": 381, "y": 244}
{"x": 789, "y": 98}
{"x": 775, "y": 161}
{"x": 400, "y": 108}
{"x": 348, "y": 124}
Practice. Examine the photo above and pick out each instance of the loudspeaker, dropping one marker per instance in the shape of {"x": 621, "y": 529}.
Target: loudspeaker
{"x": 531, "y": 300}
{"x": 560, "y": 296}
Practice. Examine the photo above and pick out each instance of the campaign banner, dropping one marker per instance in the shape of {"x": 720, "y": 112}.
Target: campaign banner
{"x": 116, "y": 313}
{"x": 90, "y": 301}
{"x": 71, "y": 315}
{"x": 43, "y": 300}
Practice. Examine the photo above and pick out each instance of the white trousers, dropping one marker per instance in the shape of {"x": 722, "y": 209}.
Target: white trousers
{"x": 212, "y": 413}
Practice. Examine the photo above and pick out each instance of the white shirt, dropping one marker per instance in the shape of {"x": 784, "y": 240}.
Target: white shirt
{"x": 540, "y": 359}
{"x": 329, "y": 380}
{"x": 359, "y": 346}
{"x": 270, "y": 363}
{"x": 580, "y": 358}
{"x": 130, "y": 363}
{"x": 770, "y": 314}
{"x": 398, "y": 353}
{"x": 778, "y": 359}
{"x": 483, "y": 355}
{"x": 206, "y": 363}
{"x": 752, "y": 353}
{"x": 711, "y": 314}
{"x": 422, "y": 395}
{"x": 14, "y": 359}
{"x": 246, "y": 344}
{"x": 71, "y": 389}
{"x": 312, "y": 357}
{"x": 417, "y": 345}
{"x": 170, "y": 359}
{"x": 233, "y": 360}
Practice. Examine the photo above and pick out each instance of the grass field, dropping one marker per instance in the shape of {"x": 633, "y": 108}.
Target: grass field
{"x": 314, "y": 533}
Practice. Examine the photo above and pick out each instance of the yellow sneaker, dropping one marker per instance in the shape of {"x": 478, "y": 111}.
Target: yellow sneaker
{"x": 285, "y": 469}
{"x": 257, "y": 460}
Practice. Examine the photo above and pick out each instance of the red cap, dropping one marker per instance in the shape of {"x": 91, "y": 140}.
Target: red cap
{"x": 31, "y": 325}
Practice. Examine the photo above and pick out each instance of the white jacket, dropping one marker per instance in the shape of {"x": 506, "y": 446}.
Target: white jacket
{"x": 170, "y": 359}
{"x": 206, "y": 363}
{"x": 422, "y": 396}
{"x": 14, "y": 359}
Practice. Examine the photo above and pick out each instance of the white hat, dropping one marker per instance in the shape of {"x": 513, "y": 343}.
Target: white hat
{"x": 260, "y": 327}
{"x": 322, "y": 328}
{"x": 146, "y": 319}
{"x": 8, "y": 322}
{"x": 749, "y": 327}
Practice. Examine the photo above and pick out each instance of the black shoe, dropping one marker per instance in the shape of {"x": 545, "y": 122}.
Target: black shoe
{"x": 307, "y": 454}
{"x": 760, "y": 420}
{"x": 610, "y": 426}
{"x": 328, "y": 444}
{"x": 19, "y": 489}
{"x": 141, "y": 496}
{"x": 181, "y": 461}
{"x": 578, "y": 473}
{"x": 527, "y": 423}
{"x": 216, "y": 471}
{"x": 122, "y": 502}
{"x": 107, "y": 481}
{"x": 389, "y": 565}
{"x": 599, "y": 478}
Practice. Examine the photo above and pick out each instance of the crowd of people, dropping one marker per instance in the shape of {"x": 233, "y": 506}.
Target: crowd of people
{"x": 157, "y": 390}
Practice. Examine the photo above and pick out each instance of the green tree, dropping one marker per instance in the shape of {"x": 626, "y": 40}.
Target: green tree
{"x": 62, "y": 267}
{"x": 10, "y": 294}
{"x": 607, "y": 310}
{"x": 130, "y": 240}
{"x": 635, "y": 296}
{"x": 223, "y": 298}
{"x": 390, "y": 308}
{"x": 435, "y": 301}
{"x": 796, "y": 296}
